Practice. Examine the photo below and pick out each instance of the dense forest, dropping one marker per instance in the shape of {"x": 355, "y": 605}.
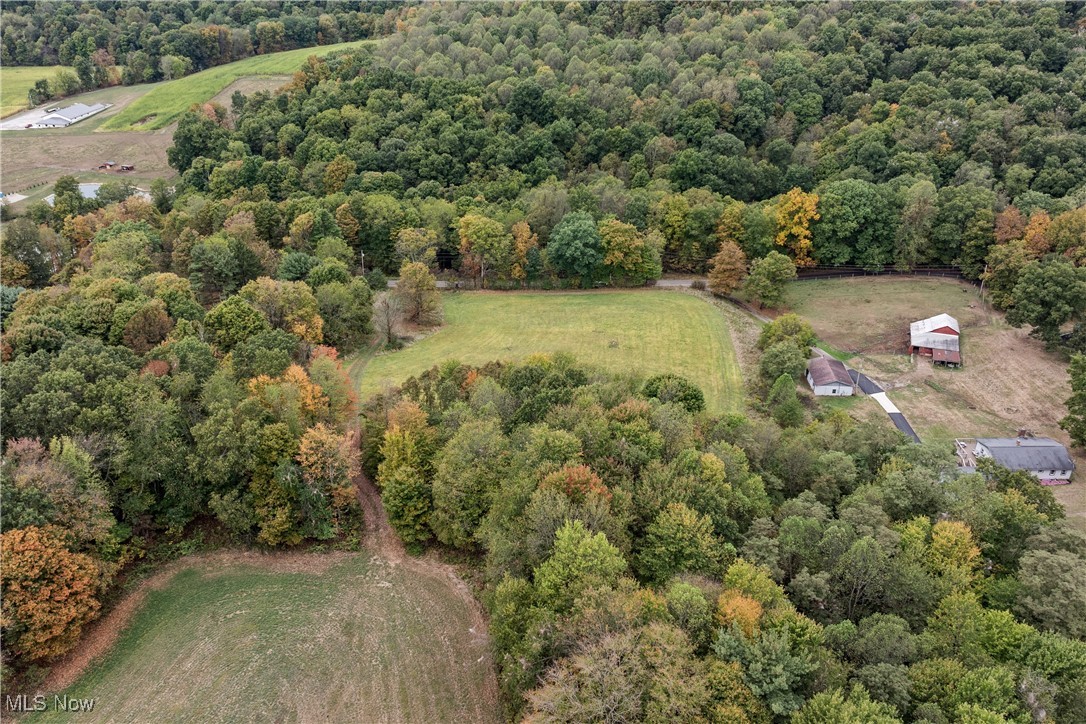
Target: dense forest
{"x": 153, "y": 40}
{"x": 870, "y": 135}
{"x": 647, "y": 561}
{"x": 173, "y": 367}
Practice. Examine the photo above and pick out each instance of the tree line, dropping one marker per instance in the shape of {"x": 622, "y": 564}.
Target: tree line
{"x": 654, "y": 119}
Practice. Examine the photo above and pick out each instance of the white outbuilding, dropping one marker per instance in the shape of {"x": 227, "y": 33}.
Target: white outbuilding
{"x": 64, "y": 117}
{"x": 829, "y": 377}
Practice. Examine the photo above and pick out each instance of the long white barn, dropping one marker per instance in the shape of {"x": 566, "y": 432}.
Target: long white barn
{"x": 64, "y": 117}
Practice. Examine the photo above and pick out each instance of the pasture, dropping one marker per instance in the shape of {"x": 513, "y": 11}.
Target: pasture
{"x": 1008, "y": 380}
{"x": 337, "y": 638}
{"x": 645, "y": 331}
{"x": 165, "y": 102}
{"x": 16, "y": 82}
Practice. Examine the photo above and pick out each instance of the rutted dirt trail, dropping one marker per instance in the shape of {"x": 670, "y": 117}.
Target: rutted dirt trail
{"x": 381, "y": 539}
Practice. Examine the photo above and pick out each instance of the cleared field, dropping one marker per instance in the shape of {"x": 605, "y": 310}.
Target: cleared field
{"x": 162, "y": 105}
{"x": 247, "y": 85}
{"x": 357, "y": 640}
{"x": 39, "y": 156}
{"x": 644, "y": 331}
{"x": 16, "y": 82}
{"x": 1008, "y": 380}
{"x": 872, "y": 314}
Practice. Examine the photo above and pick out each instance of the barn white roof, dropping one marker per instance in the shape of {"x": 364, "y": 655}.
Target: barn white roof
{"x": 72, "y": 113}
{"x": 920, "y": 334}
{"x": 939, "y": 320}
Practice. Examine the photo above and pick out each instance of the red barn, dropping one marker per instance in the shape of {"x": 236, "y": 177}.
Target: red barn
{"x": 937, "y": 337}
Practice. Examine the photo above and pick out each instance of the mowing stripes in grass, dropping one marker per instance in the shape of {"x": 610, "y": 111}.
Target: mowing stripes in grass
{"x": 359, "y": 641}
{"x": 631, "y": 331}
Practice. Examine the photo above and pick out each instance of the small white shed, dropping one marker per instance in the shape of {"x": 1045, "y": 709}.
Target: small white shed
{"x": 829, "y": 377}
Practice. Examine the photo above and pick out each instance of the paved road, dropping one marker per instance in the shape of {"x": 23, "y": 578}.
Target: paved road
{"x": 440, "y": 284}
{"x": 870, "y": 387}
{"x": 902, "y": 424}
{"x": 866, "y": 384}
{"x": 661, "y": 283}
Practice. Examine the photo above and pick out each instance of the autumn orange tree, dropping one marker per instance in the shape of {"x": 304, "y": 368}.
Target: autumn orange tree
{"x": 49, "y": 593}
{"x": 795, "y": 212}
{"x": 1036, "y": 233}
{"x": 329, "y": 461}
{"x": 727, "y": 269}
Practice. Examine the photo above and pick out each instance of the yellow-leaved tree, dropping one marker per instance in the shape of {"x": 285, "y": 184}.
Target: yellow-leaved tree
{"x": 795, "y": 212}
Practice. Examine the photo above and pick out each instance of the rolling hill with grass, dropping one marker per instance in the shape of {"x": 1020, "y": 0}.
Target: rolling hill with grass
{"x": 165, "y": 102}
{"x": 355, "y": 639}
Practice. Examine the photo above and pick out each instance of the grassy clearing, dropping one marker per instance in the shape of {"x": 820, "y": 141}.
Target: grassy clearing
{"x": 359, "y": 640}
{"x": 872, "y": 314}
{"x": 644, "y": 331}
{"x": 1007, "y": 381}
{"x": 167, "y": 101}
{"x": 16, "y": 82}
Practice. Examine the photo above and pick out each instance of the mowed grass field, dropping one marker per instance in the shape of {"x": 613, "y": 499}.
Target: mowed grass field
{"x": 361, "y": 640}
{"x": 1008, "y": 380}
{"x": 16, "y": 82}
{"x": 165, "y": 102}
{"x": 626, "y": 331}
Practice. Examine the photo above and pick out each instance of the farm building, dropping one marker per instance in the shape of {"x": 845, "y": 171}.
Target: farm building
{"x": 90, "y": 191}
{"x": 937, "y": 337}
{"x": 829, "y": 377}
{"x": 64, "y": 117}
{"x": 1045, "y": 458}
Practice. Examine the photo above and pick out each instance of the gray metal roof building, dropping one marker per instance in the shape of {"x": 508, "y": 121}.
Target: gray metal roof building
{"x": 70, "y": 114}
{"x": 1042, "y": 456}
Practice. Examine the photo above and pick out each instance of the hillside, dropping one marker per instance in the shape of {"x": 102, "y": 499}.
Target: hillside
{"x": 164, "y": 103}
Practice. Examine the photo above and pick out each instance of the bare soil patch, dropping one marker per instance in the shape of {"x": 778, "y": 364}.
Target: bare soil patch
{"x": 30, "y": 160}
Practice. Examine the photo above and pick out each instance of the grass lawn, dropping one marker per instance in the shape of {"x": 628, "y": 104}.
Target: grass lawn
{"x": 642, "y": 331}
{"x": 872, "y": 314}
{"x": 15, "y": 82}
{"x": 162, "y": 105}
{"x": 361, "y": 640}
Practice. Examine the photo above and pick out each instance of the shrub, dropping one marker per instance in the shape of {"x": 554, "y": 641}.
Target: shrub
{"x": 674, "y": 388}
